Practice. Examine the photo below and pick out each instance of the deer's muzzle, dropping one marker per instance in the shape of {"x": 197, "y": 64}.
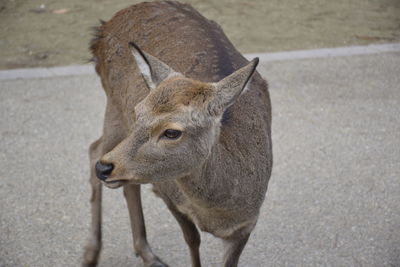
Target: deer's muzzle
{"x": 103, "y": 170}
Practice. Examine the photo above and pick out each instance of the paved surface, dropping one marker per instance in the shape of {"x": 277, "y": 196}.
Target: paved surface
{"x": 334, "y": 197}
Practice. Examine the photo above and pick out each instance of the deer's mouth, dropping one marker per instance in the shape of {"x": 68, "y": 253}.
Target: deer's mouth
{"x": 115, "y": 184}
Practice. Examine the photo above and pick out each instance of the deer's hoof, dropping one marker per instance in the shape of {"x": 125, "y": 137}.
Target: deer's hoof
{"x": 90, "y": 256}
{"x": 158, "y": 263}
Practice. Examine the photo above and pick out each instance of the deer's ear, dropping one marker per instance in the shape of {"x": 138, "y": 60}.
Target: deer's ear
{"x": 229, "y": 89}
{"x": 153, "y": 70}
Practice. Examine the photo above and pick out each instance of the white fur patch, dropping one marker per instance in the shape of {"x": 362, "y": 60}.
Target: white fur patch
{"x": 247, "y": 87}
{"x": 144, "y": 68}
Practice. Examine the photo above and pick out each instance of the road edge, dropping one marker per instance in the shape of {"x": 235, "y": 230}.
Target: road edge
{"x": 88, "y": 69}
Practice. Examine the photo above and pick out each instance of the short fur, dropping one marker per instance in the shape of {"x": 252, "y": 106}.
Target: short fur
{"x": 215, "y": 175}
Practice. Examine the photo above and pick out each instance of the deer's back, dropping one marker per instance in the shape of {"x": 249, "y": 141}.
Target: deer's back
{"x": 173, "y": 32}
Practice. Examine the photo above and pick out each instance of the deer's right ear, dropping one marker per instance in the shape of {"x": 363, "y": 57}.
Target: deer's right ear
{"x": 153, "y": 70}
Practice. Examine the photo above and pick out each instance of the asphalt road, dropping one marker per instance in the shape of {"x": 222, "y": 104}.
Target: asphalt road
{"x": 333, "y": 200}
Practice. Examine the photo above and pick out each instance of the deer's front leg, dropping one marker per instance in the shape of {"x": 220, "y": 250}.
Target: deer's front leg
{"x": 92, "y": 249}
{"x": 190, "y": 233}
{"x": 142, "y": 248}
{"x": 233, "y": 248}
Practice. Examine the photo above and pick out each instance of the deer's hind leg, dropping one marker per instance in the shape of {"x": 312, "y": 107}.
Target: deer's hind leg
{"x": 93, "y": 247}
{"x": 113, "y": 134}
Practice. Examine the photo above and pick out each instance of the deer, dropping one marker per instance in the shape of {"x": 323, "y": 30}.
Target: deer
{"x": 190, "y": 115}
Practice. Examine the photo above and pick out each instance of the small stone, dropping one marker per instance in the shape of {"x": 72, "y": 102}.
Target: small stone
{"x": 41, "y": 56}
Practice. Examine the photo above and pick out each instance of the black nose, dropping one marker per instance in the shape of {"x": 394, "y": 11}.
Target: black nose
{"x": 103, "y": 170}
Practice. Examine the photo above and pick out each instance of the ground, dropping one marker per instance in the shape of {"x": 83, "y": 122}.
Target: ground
{"x": 334, "y": 194}
{"x": 333, "y": 198}
{"x": 51, "y": 33}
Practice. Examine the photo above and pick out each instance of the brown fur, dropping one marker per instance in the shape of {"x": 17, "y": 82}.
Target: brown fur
{"x": 178, "y": 92}
{"x": 216, "y": 174}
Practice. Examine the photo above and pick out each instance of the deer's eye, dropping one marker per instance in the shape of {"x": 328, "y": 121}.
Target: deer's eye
{"x": 172, "y": 134}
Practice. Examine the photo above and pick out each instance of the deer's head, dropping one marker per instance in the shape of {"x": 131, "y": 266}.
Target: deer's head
{"x": 176, "y": 125}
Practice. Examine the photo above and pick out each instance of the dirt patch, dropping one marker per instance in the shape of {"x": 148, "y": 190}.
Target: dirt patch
{"x": 49, "y": 32}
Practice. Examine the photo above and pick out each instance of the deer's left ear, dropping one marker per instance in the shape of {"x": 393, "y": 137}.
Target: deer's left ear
{"x": 153, "y": 70}
{"x": 229, "y": 89}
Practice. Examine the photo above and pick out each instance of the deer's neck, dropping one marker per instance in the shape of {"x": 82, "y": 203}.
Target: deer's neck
{"x": 207, "y": 185}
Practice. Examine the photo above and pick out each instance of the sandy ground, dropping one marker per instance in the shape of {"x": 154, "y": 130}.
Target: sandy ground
{"x": 49, "y": 32}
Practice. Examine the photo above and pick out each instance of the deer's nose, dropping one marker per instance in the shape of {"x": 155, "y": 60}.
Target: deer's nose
{"x": 103, "y": 170}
